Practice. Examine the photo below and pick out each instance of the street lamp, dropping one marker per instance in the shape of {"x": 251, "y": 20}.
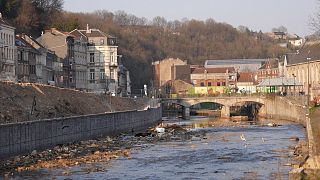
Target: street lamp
{"x": 294, "y": 84}
{"x": 308, "y": 81}
{"x": 205, "y": 72}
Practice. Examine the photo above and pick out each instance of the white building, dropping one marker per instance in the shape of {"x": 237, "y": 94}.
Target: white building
{"x": 102, "y": 60}
{"x": 7, "y": 51}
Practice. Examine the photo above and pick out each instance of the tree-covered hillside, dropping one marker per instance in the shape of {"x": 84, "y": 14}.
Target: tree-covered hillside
{"x": 143, "y": 41}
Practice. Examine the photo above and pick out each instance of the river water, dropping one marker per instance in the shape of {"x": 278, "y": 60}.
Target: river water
{"x": 210, "y": 153}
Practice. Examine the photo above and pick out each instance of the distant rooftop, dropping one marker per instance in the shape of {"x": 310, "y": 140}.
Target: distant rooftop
{"x": 213, "y": 70}
{"x": 234, "y": 61}
{"x": 308, "y": 50}
{"x": 279, "y": 82}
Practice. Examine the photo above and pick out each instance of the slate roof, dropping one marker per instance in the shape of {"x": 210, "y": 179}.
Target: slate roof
{"x": 308, "y": 50}
{"x": 20, "y": 42}
{"x": 94, "y": 33}
{"x": 4, "y": 22}
{"x": 279, "y": 82}
{"x": 234, "y": 61}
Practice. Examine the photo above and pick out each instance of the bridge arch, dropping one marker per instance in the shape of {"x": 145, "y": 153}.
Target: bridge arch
{"x": 226, "y": 103}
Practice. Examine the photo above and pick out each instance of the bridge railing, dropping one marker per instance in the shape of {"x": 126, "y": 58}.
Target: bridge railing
{"x": 179, "y": 96}
{"x": 296, "y": 97}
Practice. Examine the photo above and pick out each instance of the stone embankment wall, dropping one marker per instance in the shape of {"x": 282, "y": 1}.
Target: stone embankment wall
{"x": 19, "y": 138}
{"x": 284, "y": 109}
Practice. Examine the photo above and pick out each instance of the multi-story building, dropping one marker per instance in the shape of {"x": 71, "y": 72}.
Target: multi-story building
{"x": 72, "y": 52}
{"x": 7, "y": 51}
{"x": 102, "y": 60}
{"x": 169, "y": 69}
{"x": 269, "y": 70}
{"x": 304, "y": 68}
{"x": 213, "y": 80}
{"x": 57, "y": 69}
{"x": 43, "y": 65}
{"x": 26, "y": 61}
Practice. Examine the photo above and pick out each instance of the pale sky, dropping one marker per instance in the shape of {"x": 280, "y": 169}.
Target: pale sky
{"x": 255, "y": 14}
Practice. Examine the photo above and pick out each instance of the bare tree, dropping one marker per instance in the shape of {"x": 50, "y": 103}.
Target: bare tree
{"x": 315, "y": 20}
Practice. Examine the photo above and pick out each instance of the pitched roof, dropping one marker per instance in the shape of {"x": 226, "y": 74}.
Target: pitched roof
{"x": 246, "y": 77}
{"x": 271, "y": 64}
{"x": 279, "y": 82}
{"x": 94, "y": 33}
{"x": 234, "y": 61}
{"x": 78, "y": 34}
{"x": 308, "y": 50}
{"x": 4, "y": 22}
{"x": 20, "y": 42}
{"x": 213, "y": 70}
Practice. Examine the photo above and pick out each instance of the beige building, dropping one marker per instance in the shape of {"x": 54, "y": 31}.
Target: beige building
{"x": 72, "y": 52}
{"x": 304, "y": 68}
{"x": 102, "y": 60}
{"x": 7, "y": 51}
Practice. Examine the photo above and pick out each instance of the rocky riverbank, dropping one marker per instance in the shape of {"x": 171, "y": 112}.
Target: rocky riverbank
{"x": 109, "y": 148}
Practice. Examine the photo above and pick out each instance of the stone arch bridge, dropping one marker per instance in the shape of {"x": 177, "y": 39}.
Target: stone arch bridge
{"x": 226, "y": 103}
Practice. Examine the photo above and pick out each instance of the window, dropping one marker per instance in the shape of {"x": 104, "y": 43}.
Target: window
{"x": 223, "y": 83}
{"x": 218, "y": 84}
{"x": 101, "y": 60}
{"x": 91, "y": 58}
{"x": 111, "y": 57}
{"x": 209, "y": 84}
{"x": 195, "y": 82}
{"x": 101, "y": 41}
{"x": 92, "y": 75}
{"x": 102, "y": 74}
{"x": 202, "y": 84}
{"x": 112, "y": 74}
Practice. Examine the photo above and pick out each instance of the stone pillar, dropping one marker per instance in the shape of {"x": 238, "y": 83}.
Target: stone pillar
{"x": 225, "y": 111}
{"x": 262, "y": 111}
{"x": 186, "y": 113}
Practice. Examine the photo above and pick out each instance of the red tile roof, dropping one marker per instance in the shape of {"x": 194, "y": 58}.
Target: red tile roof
{"x": 213, "y": 70}
{"x": 246, "y": 77}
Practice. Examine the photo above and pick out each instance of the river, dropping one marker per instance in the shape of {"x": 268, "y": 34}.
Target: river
{"x": 209, "y": 152}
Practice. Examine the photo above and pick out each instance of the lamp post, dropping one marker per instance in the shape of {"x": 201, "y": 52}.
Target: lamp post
{"x": 206, "y": 72}
{"x": 294, "y": 84}
{"x": 308, "y": 81}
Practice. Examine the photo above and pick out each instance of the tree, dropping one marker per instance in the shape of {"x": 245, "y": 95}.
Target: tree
{"x": 27, "y": 19}
{"x": 315, "y": 21}
{"x": 280, "y": 29}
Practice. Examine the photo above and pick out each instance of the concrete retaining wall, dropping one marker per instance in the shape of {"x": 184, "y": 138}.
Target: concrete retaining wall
{"x": 20, "y": 138}
{"x": 282, "y": 108}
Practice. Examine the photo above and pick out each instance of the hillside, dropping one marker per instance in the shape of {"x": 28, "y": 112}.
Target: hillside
{"x": 16, "y": 101}
{"x": 142, "y": 41}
